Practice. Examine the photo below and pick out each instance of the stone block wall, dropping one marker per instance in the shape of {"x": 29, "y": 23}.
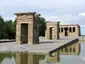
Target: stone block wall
{"x": 70, "y": 31}
{"x": 55, "y": 30}
{"x": 29, "y": 18}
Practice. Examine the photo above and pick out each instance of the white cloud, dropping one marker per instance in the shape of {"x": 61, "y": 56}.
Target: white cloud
{"x": 56, "y": 7}
{"x": 64, "y": 18}
{"x": 82, "y": 26}
{"x": 65, "y": 11}
{"x": 9, "y": 18}
{"x": 82, "y": 14}
{"x": 39, "y": 4}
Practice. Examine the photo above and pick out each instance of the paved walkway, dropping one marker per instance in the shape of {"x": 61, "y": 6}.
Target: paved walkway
{"x": 45, "y": 46}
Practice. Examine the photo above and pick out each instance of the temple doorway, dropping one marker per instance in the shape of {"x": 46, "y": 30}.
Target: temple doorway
{"x": 66, "y": 31}
{"x": 50, "y": 33}
{"x": 24, "y": 33}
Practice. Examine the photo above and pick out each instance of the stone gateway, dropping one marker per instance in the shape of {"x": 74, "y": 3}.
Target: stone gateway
{"x": 52, "y": 30}
{"x": 27, "y": 29}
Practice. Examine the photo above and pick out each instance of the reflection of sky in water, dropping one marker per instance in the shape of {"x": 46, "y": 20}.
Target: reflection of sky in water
{"x": 74, "y": 59}
{"x": 9, "y": 61}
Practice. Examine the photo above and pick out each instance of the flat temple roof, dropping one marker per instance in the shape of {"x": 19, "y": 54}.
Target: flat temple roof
{"x": 22, "y": 13}
{"x": 52, "y": 22}
{"x": 70, "y": 25}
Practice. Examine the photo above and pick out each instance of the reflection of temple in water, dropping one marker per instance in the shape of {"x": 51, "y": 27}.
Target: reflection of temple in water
{"x": 28, "y": 58}
{"x": 71, "y": 50}
{"x": 24, "y": 58}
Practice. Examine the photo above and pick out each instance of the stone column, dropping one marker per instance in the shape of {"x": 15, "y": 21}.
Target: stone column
{"x": 58, "y": 34}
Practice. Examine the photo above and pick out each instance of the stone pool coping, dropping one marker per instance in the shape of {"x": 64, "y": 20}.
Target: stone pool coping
{"x": 45, "y": 46}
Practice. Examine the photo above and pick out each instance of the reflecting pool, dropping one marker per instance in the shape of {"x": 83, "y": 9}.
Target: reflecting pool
{"x": 74, "y": 54}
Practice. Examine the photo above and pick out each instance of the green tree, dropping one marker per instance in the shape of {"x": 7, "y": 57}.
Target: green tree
{"x": 42, "y": 26}
{"x": 1, "y": 27}
{"x": 10, "y": 29}
{"x": 7, "y": 29}
{"x": 14, "y": 29}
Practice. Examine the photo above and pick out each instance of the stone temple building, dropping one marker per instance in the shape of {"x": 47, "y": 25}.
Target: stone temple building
{"x": 52, "y": 30}
{"x": 69, "y": 30}
{"x": 27, "y": 28}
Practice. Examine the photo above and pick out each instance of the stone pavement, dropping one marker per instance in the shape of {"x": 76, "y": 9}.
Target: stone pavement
{"x": 45, "y": 46}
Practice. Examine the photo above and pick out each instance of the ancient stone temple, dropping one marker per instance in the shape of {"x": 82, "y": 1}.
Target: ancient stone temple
{"x": 52, "y": 30}
{"x": 69, "y": 30}
{"x": 27, "y": 30}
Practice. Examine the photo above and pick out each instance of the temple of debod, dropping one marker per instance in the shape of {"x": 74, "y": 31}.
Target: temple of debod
{"x": 27, "y": 29}
{"x": 27, "y": 32}
{"x": 54, "y": 30}
{"x": 59, "y": 39}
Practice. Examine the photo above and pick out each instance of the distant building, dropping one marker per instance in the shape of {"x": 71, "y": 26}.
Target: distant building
{"x": 52, "y": 30}
{"x": 69, "y": 30}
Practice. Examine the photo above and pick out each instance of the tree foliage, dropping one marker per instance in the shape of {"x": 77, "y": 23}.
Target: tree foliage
{"x": 42, "y": 26}
{"x": 8, "y": 28}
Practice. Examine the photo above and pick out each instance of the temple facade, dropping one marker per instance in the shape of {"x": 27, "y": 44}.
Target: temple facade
{"x": 52, "y": 30}
{"x": 27, "y": 28}
{"x": 69, "y": 30}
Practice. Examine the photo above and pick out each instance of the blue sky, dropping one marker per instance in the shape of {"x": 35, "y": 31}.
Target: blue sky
{"x": 66, "y": 11}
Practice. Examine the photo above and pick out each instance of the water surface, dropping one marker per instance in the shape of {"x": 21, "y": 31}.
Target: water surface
{"x": 29, "y": 58}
